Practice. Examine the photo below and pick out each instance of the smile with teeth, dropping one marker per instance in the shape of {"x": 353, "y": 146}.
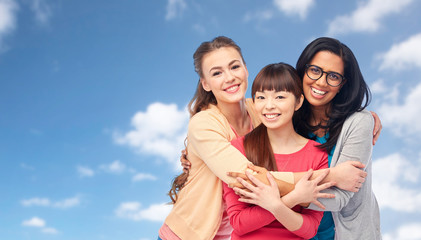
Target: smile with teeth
{"x": 271, "y": 116}
{"x": 232, "y": 88}
{"x": 319, "y": 92}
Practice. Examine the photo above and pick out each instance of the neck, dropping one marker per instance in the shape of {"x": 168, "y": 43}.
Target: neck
{"x": 285, "y": 140}
{"x": 319, "y": 116}
{"x": 237, "y": 116}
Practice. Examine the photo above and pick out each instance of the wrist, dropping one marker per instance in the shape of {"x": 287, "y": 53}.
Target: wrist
{"x": 290, "y": 200}
{"x": 331, "y": 176}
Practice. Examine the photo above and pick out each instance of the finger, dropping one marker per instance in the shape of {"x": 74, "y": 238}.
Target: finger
{"x": 243, "y": 193}
{"x": 325, "y": 195}
{"x": 321, "y": 176}
{"x": 357, "y": 164}
{"x": 308, "y": 174}
{"x": 254, "y": 180}
{"x": 236, "y": 184}
{"x": 246, "y": 184}
{"x": 271, "y": 180}
{"x": 325, "y": 186}
{"x": 247, "y": 200}
{"x": 237, "y": 174}
{"x": 319, "y": 204}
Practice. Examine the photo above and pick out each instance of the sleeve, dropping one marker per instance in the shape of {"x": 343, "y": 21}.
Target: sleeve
{"x": 245, "y": 218}
{"x": 321, "y": 161}
{"x": 210, "y": 141}
{"x": 355, "y": 143}
{"x": 311, "y": 222}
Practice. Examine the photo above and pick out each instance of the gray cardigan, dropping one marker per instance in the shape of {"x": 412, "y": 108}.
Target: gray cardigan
{"x": 356, "y": 215}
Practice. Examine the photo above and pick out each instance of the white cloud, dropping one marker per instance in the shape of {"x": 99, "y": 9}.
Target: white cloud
{"x": 41, "y": 10}
{"x": 143, "y": 176}
{"x": 296, "y": 7}
{"x": 402, "y": 117}
{"x": 159, "y": 131}
{"x": 404, "y": 55}
{"x": 8, "y": 10}
{"x": 367, "y": 17}
{"x": 411, "y": 231}
{"x": 49, "y": 230}
{"x": 45, "y": 202}
{"x": 175, "y": 8}
{"x": 67, "y": 203}
{"x": 34, "y": 222}
{"x": 388, "y": 173}
{"x": 85, "y": 171}
{"x": 133, "y": 211}
{"x": 114, "y": 167}
{"x": 36, "y": 202}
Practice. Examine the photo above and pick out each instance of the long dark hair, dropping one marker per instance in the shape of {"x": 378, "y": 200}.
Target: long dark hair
{"x": 201, "y": 98}
{"x": 278, "y": 77}
{"x": 353, "y": 97}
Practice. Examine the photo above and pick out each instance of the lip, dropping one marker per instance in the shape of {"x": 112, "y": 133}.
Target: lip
{"x": 316, "y": 93}
{"x": 273, "y": 116}
{"x": 233, "y": 88}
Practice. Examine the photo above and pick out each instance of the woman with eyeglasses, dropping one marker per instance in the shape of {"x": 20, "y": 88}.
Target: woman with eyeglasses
{"x": 333, "y": 114}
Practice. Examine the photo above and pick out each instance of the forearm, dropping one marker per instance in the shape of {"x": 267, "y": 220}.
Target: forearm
{"x": 287, "y": 217}
{"x": 284, "y": 187}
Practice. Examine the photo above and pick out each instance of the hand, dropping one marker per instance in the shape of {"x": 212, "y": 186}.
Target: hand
{"x": 258, "y": 172}
{"x": 259, "y": 193}
{"x": 349, "y": 175}
{"x": 184, "y": 162}
{"x": 307, "y": 190}
{"x": 377, "y": 127}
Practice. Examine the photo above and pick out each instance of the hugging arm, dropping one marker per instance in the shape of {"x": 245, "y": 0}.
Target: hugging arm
{"x": 246, "y": 218}
{"x": 208, "y": 139}
{"x": 355, "y": 143}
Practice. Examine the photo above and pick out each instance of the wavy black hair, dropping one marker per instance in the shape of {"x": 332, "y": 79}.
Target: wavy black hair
{"x": 354, "y": 95}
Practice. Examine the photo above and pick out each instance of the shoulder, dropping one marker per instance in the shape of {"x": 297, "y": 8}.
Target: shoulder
{"x": 362, "y": 119}
{"x": 313, "y": 146}
{"x": 205, "y": 117}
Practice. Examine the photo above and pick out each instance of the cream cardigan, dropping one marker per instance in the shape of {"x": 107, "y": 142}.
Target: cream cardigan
{"x": 198, "y": 211}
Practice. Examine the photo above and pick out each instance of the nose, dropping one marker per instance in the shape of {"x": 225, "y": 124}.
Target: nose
{"x": 230, "y": 76}
{"x": 269, "y": 103}
{"x": 322, "y": 81}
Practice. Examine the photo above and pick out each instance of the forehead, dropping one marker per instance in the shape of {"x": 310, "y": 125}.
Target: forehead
{"x": 328, "y": 61}
{"x": 220, "y": 57}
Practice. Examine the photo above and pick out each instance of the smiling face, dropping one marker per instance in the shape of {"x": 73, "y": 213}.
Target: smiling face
{"x": 317, "y": 92}
{"x": 276, "y": 108}
{"x": 225, "y": 74}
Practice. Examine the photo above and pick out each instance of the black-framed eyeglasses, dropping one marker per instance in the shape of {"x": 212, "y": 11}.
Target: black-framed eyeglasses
{"x": 314, "y": 72}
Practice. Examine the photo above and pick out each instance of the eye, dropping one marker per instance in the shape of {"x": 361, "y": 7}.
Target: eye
{"x": 260, "y": 97}
{"x": 315, "y": 70}
{"x": 235, "y": 67}
{"x": 280, "y": 97}
{"x": 216, "y": 73}
{"x": 334, "y": 76}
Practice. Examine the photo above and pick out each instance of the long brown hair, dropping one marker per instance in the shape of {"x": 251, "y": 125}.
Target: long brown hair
{"x": 278, "y": 77}
{"x": 201, "y": 98}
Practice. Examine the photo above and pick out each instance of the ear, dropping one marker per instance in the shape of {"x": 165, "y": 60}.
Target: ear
{"x": 205, "y": 85}
{"x": 299, "y": 103}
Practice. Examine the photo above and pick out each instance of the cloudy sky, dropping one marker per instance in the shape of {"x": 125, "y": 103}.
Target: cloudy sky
{"x": 93, "y": 97}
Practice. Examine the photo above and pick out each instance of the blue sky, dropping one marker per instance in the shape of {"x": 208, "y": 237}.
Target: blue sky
{"x": 93, "y": 97}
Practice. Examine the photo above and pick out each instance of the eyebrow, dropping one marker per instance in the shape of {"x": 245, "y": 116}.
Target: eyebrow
{"x": 229, "y": 64}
